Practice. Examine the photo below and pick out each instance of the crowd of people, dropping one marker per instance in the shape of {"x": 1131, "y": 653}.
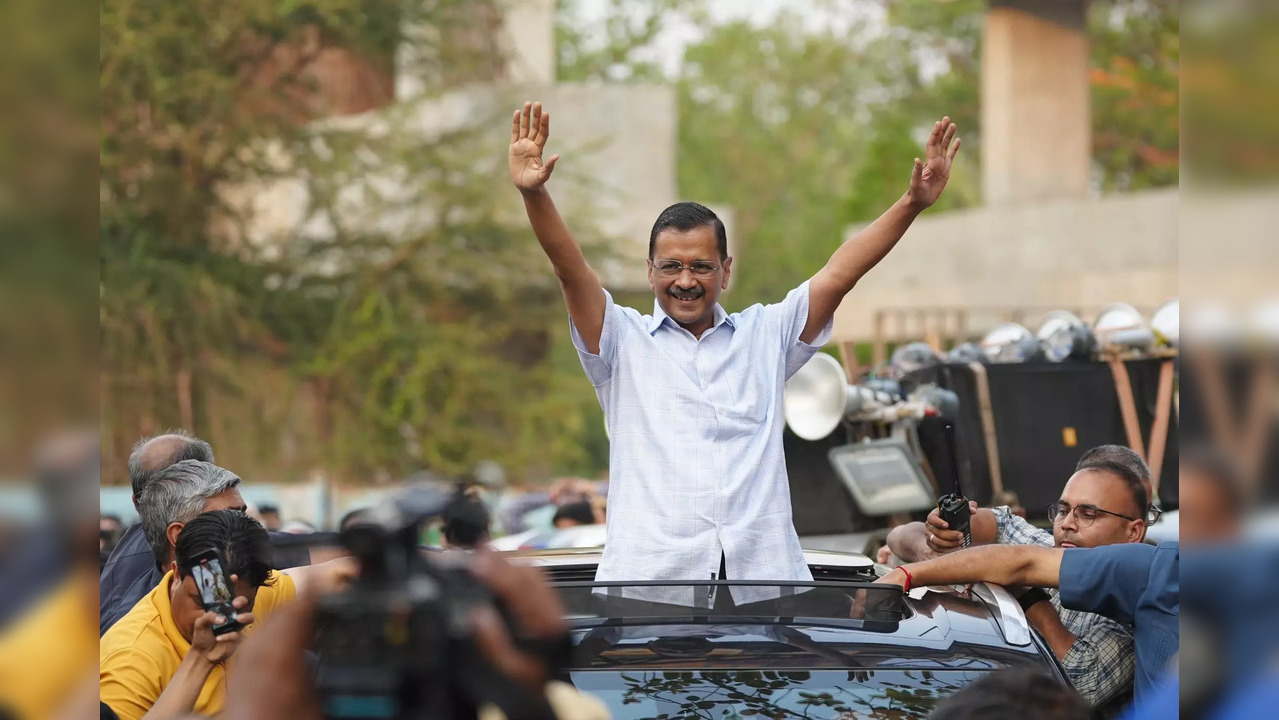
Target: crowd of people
{"x": 159, "y": 657}
{"x": 480, "y": 513}
{"x": 160, "y": 654}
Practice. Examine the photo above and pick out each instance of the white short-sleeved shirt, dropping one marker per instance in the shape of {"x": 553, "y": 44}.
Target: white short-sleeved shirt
{"x": 696, "y": 466}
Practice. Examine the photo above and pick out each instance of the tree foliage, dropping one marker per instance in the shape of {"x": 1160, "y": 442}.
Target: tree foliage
{"x": 618, "y": 46}
{"x": 774, "y": 122}
{"x": 804, "y": 129}
{"x": 401, "y": 324}
{"x": 1135, "y": 92}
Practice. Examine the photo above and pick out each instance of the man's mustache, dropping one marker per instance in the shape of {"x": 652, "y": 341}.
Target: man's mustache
{"x": 691, "y": 294}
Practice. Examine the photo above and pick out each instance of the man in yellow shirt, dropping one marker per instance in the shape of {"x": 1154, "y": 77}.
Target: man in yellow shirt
{"x": 161, "y": 660}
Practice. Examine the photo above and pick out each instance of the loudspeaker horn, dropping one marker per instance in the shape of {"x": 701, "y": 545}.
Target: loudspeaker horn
{"x": 816, "y": 398}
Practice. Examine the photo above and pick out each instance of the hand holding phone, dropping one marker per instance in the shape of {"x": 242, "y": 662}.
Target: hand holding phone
{"x": 216, "y": 649}
{"x": 217, "y": 591}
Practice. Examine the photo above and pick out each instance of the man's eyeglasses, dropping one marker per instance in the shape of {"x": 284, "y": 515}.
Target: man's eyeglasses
{"x": 1085, "y": 514}
{"x": 672, "y": 268}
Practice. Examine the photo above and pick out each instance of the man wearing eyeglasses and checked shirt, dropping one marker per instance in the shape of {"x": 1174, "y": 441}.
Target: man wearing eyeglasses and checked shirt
{"x": 1101, "y": 504}
{"x": 1135, "y": 583}
{"x": 693, "y": 395}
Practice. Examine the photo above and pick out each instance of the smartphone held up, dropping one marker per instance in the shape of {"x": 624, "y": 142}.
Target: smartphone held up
{"x": 216, "y": 590}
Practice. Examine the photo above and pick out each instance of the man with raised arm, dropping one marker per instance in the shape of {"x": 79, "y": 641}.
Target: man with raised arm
{"x": 1134, "y": 583}
{"x": 691, "y": 394}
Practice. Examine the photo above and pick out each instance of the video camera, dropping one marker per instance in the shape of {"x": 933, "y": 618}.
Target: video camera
{"x": 398, "y": 644}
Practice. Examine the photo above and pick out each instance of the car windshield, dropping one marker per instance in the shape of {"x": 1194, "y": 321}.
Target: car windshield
{"x": 737, "y": 694}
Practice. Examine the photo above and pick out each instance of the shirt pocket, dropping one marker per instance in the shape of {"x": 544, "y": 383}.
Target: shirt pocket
{"x": 752, "y": 398}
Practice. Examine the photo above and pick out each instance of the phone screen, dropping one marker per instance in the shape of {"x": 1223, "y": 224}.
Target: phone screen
{"x": 212, "y": 582}
{"x": 215, "y": 590}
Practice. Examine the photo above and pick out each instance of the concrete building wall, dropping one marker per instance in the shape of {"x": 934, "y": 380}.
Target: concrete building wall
{"x": 1065, "y": 253}
{"x": 528, "y": 40}
{"x": 1229, "y": 255}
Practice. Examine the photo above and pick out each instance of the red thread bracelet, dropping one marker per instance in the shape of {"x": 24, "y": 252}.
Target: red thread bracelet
{"x": 910, "y": 579}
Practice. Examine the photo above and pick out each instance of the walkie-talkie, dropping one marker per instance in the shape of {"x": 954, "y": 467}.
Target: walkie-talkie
{"x": 953, "y": 506}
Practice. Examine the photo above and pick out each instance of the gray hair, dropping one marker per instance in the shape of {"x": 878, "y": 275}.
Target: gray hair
{"x": 140, "y": 475}
{"x": 178, "y": 494}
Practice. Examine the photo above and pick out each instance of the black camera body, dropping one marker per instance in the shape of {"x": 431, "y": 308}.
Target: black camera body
{"x": 398, "y": 645}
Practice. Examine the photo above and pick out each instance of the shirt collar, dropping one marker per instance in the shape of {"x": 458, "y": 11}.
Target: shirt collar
{"x": 659, "y": 316}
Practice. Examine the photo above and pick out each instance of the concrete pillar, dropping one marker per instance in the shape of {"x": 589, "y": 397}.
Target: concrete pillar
{"x": 1036, "y": 110}
{"x": 528, "y": 39}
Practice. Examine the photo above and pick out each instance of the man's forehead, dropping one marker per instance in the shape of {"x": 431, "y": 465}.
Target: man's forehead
{"x": 229, "y": 499}
{"x": 1089, "y": 485}
{"x": 696, "y": 243}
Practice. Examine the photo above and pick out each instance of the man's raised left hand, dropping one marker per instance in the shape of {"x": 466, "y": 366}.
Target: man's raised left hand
{"x": 929, "y": 177}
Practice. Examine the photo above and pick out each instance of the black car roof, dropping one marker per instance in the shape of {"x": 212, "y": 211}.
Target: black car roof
{"x": 943, "y": 628}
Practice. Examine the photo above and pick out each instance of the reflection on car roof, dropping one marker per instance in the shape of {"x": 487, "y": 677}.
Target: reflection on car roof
{"x": 591, "y": 556}
{"x": 939, "y": 619}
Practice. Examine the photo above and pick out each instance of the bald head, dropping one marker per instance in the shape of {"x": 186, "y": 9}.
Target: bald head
{"x": 151, "y": 456}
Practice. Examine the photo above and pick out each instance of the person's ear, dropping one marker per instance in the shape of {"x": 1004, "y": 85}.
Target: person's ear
{"x": 1137, "y": 531}
{"x": 652, "y": 283}
{"x": 728, "y": 269}
{"x": 173, "y": 567}
{"x": 172, "y": 532}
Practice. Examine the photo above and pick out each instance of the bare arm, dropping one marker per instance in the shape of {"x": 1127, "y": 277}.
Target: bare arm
{"x": 909, "y": 542}
{"x": 1002, "y": 564}
{"x": 179, "y": 696}
{"x": 583, "y": 293}
{"x": 1044, "y": 618}
{"x": 917, "y": 541}
{"x": 864, "y": 250}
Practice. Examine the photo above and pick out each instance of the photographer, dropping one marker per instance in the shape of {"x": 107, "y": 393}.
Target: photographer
{"x": 162, "y": 660}
{"x": 281, "y": 684}
{"x": 174, "y": 479}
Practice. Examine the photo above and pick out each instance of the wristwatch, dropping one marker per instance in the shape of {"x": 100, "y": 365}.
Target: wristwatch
{"x": 1032, "y": 597}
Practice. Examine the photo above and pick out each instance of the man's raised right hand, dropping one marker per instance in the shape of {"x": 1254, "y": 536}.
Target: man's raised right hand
{"x": 530, "y": 127}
